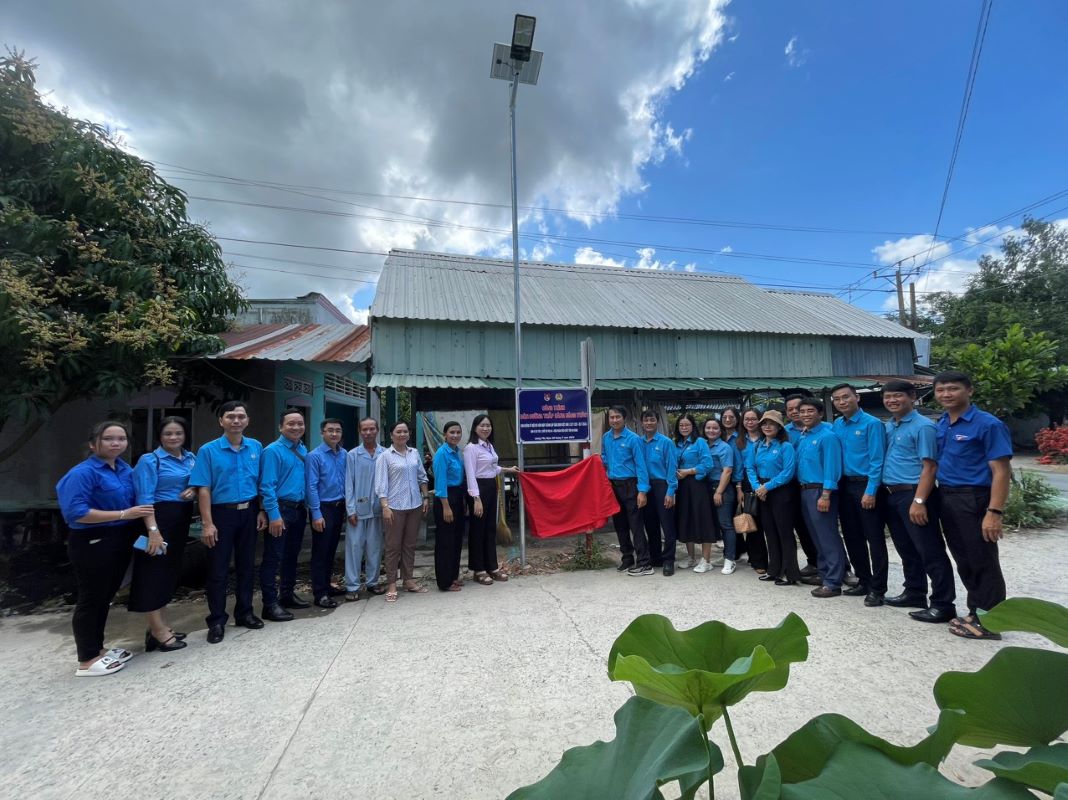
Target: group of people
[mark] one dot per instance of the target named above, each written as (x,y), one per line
(832,488)
(378,494)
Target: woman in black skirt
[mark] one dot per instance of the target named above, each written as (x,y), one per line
(449,510)
(754,545)
(161,479)
(693,510)
(96,499)
(480,472)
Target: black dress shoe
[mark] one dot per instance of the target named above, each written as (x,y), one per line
(767,577)
(216,634)
(873,600)
(784,582)
(179,635)
(325,602)
(252,622)
(669,570)
(294,601)
(276,613)
(812,580)
(809,570)
(173,643)
(336,591)
(625,564)
(855,591)
(932,615)
(906,600)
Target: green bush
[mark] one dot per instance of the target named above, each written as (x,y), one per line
(1033,502)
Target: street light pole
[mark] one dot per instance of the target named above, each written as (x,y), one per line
(519,63)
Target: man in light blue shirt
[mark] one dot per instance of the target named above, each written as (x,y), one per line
(819,468)
(363,535)
(661,460)
(863,446)
(282,488)
(621,452)
(324,472)
(910,506)
(793,430)
(227,473)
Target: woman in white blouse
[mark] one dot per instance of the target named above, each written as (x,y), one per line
(481,470)
(400,485)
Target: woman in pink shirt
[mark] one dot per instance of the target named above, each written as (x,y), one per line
(481,470)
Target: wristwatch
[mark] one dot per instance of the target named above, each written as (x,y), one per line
(918,501)
(997,511)
(153,528)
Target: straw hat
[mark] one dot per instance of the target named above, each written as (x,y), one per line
(774,416)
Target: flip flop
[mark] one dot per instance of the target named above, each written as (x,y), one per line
(391,597)
(121,655)
(105,665)
(416,590)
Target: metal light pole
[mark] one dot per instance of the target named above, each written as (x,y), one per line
(518,63)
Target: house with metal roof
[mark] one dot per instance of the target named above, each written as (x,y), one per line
(442,323)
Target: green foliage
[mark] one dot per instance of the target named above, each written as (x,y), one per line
(855,771)
(1016,699)
(707,668)
(588,554)
(102,276)
(654,745)
(1030,615)
(1033,502)
(1010,371)
(1041,768)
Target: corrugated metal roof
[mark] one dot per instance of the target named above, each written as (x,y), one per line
(325,343)
(393,381)
(848,319)
(435,286)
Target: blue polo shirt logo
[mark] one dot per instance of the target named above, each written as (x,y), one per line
(858,433)
(962,437)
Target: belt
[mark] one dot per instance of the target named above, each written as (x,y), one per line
(621,480)
(900,487)
(963,489)
(291,504)
(332,503)
(237,506)
(811,485)
(854,479)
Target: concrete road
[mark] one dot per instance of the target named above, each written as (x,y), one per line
(463,695)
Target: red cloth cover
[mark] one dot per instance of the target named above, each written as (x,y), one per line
(574,500)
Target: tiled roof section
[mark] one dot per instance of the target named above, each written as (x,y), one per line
(324,343)
(435,286)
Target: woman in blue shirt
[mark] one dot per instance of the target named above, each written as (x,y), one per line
(720,487)
(729,423)
(771,470)
(449,521)
(161,479)
(96,499)
(752,545)
(693,510)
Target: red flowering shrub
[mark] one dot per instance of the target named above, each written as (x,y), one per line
(1053,445)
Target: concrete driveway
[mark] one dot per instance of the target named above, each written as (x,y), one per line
(465,695)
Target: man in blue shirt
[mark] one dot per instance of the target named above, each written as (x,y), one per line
(363,536)
(863,441)
(621,452)
(909,505)
(793,429)
(819,469)
(324,472)
(282,488)
(227,472)
(974,449)
(661,460)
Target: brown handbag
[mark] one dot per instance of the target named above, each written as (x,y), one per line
(744,523)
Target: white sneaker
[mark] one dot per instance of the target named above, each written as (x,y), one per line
(728,566)
(702,566)
(689,564)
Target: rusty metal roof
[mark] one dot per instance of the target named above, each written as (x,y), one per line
(324,343)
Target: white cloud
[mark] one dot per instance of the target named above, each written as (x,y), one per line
(796,55)
(271,93)
(591,257)
(690,267)
(726,249)
(345,304)
(911,250)
(729,77)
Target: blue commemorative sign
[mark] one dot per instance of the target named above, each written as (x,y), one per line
(553,415)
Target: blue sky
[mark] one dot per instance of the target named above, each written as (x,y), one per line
(377,126)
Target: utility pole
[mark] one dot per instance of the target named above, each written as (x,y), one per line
(900,299)
(912,306)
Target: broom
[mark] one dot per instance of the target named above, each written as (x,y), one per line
(504,533)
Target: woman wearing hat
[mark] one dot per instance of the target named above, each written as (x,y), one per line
(771,469)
